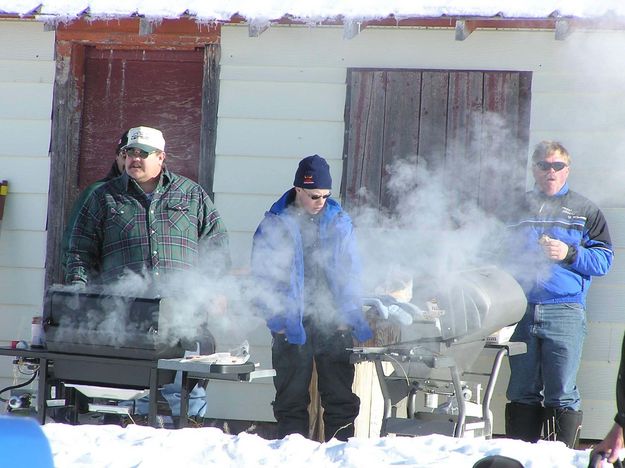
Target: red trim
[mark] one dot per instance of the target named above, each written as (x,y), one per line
(177,33)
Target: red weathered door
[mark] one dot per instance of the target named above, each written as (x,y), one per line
(128,88)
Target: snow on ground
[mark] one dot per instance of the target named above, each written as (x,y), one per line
(142,447)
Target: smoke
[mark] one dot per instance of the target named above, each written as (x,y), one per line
(176,310)
(443,213)
(432,228)
(430,233)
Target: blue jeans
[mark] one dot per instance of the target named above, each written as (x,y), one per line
(546,374)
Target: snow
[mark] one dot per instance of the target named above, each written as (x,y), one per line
(141,446)
(313,10)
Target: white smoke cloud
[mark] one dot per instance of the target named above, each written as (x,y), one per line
(430,231)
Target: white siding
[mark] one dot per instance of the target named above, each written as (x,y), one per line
(282,98)
(277,138)
(26,83)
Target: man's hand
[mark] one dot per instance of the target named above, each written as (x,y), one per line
(612,444)
(554,249)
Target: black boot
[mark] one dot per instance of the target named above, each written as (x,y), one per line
(524,422)
(342,433)
(563,424)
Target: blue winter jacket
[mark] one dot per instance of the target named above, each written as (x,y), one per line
(278,269)
(576,221)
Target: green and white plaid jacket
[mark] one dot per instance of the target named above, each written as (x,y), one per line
(120,229)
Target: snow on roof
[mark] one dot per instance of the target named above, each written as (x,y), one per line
(312,10)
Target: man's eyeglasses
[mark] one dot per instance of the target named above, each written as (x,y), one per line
(314,196)
(134,152)
(545,166)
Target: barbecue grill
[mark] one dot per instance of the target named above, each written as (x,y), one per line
(438,344)
(98,340)
(95,322)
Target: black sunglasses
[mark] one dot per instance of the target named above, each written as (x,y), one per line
(545,166)
(317,197)
(134,152)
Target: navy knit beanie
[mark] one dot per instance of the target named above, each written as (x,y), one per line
(313,172)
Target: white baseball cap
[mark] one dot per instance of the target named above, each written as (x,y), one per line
(146,138)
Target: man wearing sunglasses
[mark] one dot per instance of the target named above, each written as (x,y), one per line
(559,242)
(148,220)
(152,222)
(305,264)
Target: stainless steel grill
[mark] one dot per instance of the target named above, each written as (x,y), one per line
(437,349)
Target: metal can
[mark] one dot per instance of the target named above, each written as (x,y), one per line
(36,339)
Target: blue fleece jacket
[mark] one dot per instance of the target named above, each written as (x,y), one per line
(278,269)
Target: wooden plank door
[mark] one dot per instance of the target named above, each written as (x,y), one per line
(470,126)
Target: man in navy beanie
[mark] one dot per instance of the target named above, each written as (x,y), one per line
(305,262)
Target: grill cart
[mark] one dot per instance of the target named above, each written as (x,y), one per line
(437,347)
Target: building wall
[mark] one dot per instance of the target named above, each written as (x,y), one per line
(26,81)
(282,97)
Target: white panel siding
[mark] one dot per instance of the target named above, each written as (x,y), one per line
(375,47)
(599,379)
(267,100)
(249,210)
(597,384)
(603,342)
(282,74)
(26,40)
(16,321)
(616,275)
(26,83)
(606,302)
(25,137)
(23,100)
(23,213)
(20,71)
(240,248)
(598,418)
(21,286)
(616,222)
(577,95)
(584,112)
(278,138)
(263,176)
(611,190)
(22,249)
(13,169)
(581,82)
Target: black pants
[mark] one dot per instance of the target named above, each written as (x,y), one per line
(294,365)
